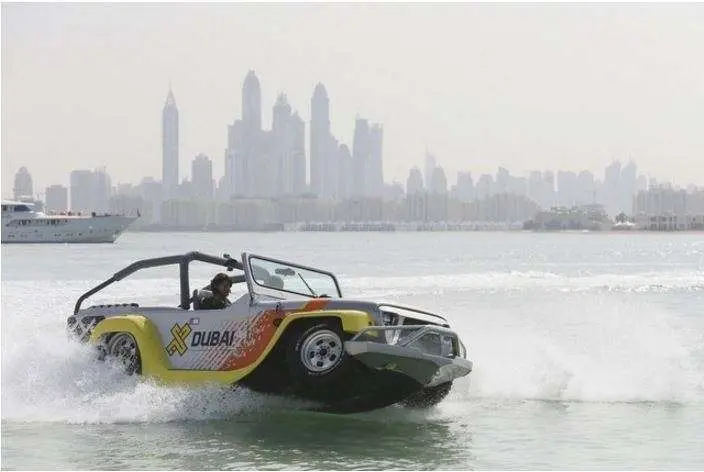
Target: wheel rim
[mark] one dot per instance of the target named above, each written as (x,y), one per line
(321,351)
(123,348)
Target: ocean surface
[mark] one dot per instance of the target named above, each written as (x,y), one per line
(588,352)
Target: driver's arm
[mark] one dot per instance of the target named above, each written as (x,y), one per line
(209,303)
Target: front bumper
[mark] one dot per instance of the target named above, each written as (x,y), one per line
(429,354)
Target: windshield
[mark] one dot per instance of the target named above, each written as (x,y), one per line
(287,277)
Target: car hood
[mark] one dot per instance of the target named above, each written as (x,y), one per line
(369,306)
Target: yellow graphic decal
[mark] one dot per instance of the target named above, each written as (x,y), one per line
(178,343)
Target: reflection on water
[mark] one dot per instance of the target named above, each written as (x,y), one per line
(393,438)
(305,440)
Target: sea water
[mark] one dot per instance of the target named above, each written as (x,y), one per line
(588,352)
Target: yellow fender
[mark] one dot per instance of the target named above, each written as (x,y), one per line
(156,364)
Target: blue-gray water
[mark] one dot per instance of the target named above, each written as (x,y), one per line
(588,351)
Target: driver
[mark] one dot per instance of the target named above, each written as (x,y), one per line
(220,288)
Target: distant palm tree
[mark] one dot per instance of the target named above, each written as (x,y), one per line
(621,218)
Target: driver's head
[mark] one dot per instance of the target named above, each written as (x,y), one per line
(221,284)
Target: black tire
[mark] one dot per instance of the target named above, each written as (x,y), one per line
(124,349)
(316,354)
(428,397)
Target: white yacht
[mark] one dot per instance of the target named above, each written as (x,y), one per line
(21,223)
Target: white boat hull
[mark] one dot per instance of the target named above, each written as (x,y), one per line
(21,224)
(101,229)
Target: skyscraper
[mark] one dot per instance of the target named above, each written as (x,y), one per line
(535,187)
(465,186)
(344,180)
(610,192)
(503,177)
(549,189)
(252,102)
(587,188)
(83,187)
(484,187)
(102,190)
(234,160)
(429,168)
(567,188)
(320,139)
(331,178)
(361,150)
(627,187)
(298,158)
(23,184)
(414,183)
(202,177)
(438,182)
(90,190)
(169,122)
(282,127)
(375,169)
(288,130)
(251,167)
(56,198)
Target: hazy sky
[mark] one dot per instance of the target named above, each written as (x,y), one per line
(522,86)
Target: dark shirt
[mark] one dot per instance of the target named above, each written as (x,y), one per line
(213,302)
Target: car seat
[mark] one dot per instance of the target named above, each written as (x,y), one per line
(198,296)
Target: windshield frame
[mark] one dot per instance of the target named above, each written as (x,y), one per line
(256,288)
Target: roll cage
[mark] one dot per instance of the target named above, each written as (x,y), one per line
(182,260)
(251,274)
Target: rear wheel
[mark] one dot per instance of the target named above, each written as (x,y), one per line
(428,397)
(123,348)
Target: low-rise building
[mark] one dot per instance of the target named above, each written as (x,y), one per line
(585,217)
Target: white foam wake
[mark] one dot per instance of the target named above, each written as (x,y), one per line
(72,386)
(584,346)
(46,377)
(599,350)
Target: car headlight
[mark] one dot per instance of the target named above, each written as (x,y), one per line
(446,348)
(462,349)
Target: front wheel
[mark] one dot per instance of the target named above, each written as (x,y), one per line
(316,353)
(123,348)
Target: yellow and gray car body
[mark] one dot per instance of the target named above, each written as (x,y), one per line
(291,333)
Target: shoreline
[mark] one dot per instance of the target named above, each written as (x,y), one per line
(403,230)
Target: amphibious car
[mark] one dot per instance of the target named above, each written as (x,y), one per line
(291,333)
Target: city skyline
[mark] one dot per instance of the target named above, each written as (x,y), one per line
(173,180)
(99,109)
(563,188)
(543,201)
(271,163)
